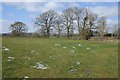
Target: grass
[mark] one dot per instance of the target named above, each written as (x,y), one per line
(100,61)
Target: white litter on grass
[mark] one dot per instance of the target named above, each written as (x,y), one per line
(72,70)
(78,63)
(64,47)
(11,57)
(9,60)
(72,51)
(74,47)
(88,48)
(6,49)
(40,66)
(26,77)
(57,44)
(79,45)
(25,57)
(32,51)
(28,58)
(73,67)
(52,57)
(59,55)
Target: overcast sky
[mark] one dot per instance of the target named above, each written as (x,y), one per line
(27,11)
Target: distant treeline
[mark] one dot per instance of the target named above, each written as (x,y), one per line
(76,36)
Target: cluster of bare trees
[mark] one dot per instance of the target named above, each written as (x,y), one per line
(85,20)
(74,19)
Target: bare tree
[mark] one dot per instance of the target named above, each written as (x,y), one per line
(59,24)
(18,28)
(68,15)
(77,12)
(84,22)
(101,26)
(46,20)
(92,18)
(40,32)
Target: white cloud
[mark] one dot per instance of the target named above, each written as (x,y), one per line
(106,11)
(29,6)
(5,26)
(37,7)
(44,6)
(73,4)
(52,5)
(31,16)
(112,22)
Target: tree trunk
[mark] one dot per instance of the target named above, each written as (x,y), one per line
(68,32)
(48,32)
(58,30)
(83,31)
(78,22)
(67,28)
(72,29)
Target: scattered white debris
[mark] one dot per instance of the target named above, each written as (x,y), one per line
(73,67)
(64,47)
(11,57)
(79,45)
(9,60)
(88,48)
(72,70)
(32,51)
(78,63)
(28,58)
(6,49)
(26,77)
(57,44)
(51,57)
(25,57)
(72,51)
(40,66)
(74,47)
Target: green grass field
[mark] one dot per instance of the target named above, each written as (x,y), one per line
(64,58)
